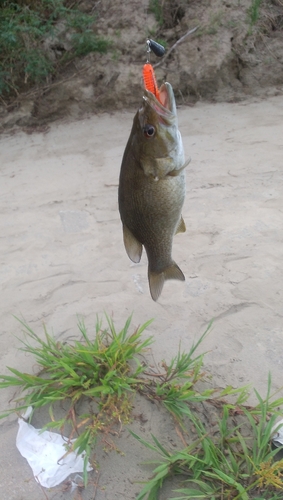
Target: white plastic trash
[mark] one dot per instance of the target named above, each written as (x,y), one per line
(44,452)
(277,434)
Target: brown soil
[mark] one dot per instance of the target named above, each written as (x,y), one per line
(228,58)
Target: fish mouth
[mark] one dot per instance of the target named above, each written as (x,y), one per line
(165,106)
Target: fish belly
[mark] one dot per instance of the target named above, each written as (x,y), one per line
(151,209)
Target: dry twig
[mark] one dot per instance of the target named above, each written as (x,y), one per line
(190,32)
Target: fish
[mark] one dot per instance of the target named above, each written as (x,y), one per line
(152,187)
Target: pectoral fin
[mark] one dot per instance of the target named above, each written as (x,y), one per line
(181,228)
(176,172)
(132,245)
(156,280)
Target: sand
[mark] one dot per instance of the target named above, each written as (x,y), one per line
(62,255)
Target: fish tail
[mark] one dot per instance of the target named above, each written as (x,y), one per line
(156,280)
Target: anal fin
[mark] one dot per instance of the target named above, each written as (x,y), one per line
(156,280)
(132,245)
(181,228)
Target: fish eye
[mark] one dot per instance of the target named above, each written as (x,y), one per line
(149,131)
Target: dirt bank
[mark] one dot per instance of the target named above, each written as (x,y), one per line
(236,52)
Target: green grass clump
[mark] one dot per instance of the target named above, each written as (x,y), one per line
(229,459)
(226,464)
(105,371)
(29,27)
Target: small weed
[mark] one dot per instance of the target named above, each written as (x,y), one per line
(215,22)
(115,55)
(253,12)
(175,387)
(231,23)
(162,41)
(212,26)
(167,13)
(151,33)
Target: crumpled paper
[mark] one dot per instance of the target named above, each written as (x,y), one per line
(44,452)
(277,434)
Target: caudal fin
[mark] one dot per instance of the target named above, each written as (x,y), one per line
(156,280)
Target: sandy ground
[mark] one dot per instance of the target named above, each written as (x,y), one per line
(62,255)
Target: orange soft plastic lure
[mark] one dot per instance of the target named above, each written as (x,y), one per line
(149,80)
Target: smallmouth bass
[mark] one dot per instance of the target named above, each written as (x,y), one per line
(152,187)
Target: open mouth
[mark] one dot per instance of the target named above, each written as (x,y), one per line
(164,97)
(165,106)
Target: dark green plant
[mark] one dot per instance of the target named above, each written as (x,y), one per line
(155,6)
(25,28)
(86,42)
